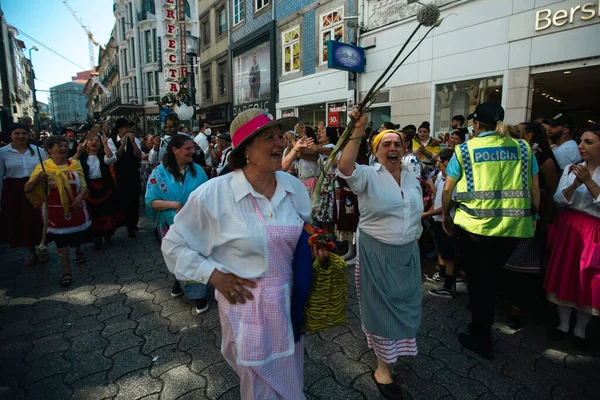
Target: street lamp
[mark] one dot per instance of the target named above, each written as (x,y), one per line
(191,49)
(36,114)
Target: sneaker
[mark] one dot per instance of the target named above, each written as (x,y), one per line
(437,278)
(441,292)
(460,278)
(201,306)
(461,287)
(177,290)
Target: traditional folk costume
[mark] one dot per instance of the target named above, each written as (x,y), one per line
(21,222)
(66,223)
(573,276)
(324,213)
(388,270)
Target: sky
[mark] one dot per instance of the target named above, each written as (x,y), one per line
(51,23)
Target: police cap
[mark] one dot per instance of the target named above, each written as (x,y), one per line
(488,113)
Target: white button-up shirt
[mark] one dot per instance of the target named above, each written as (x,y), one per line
(388,212)
(94,163)
(113,146)
(582,199)
(567,153)
(218,228)
(13,164)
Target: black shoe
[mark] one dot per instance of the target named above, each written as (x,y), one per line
(557,334)
(514,322)
(580,344)
(436,278)
(177,290)
(477,345)
(201,306)
(388,391)
(441,292)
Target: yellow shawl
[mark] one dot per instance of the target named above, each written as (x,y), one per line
(58,179)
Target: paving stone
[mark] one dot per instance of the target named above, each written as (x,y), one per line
(502,386)
(131,282)
(458,386)
(157,338)
(364,383)
(53,385)
(332,333)
(143,307)
(582,363)
(211,318)
(199,394)
(136,385)
(318,349)
(352,347)
(448,339)
(121,341)
(49,327)
(136,295)
(162,295)
(219,378)
(525,357)
(47,345)
(117,324)
(570,378)
(94,387)
(87,342)
(46,366)
(16,328)
(82,298)
(105,287)
(113,296)
(328,388)
(194,336)
(172,306)
(112,309)
(203,356)
(179,381)
(425,344)
(83,325)
(313,372)
(168,358)
(89,363)
(51,311)
(149,322)
(77,312)
(526,394)
(127,361)
(539,384)
(562,392)
(183,320)
(461,364)
(424,366)
(157,283)
(344,369)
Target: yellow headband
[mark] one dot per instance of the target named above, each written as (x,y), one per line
(380,136)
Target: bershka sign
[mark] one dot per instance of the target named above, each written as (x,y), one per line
(547,18)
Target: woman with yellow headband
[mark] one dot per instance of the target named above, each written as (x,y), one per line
(68,216)
(388,268)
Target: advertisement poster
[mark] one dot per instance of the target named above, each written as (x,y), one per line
(252,75)
(336,115)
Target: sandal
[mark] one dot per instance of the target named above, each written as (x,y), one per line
(31,261)
(79,258)
(66,280)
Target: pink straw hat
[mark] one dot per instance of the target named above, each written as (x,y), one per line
(253,121)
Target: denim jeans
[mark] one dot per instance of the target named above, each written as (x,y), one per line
(193,291)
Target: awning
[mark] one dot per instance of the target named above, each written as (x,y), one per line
(125,110)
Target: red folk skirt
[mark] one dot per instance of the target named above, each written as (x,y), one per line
(573,276)
(20,223)
(102,203)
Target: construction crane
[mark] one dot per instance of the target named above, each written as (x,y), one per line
(91,41)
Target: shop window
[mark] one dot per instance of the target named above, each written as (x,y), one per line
(260,4)
(331,27)
(238,11)
(290,51)
(461,98)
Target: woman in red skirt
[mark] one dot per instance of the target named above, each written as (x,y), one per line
(21,223)
(68,216)
(573,276)
(96,157)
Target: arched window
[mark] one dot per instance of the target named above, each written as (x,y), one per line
(149,6)
(187,9)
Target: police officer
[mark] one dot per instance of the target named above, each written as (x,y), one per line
(497,192)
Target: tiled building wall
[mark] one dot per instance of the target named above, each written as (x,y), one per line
(251,24)
(309,60)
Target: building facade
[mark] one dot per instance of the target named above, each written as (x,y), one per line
(152,60)
(214,92)
(103,87)
(68,103)
(537,58)
(308,89)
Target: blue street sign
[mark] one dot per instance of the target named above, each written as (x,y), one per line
(345,56)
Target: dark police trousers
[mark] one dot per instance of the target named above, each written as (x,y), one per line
(483,259)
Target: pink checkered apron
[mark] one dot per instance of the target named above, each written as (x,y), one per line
(257,337)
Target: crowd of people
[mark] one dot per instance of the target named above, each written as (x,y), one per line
(505,210)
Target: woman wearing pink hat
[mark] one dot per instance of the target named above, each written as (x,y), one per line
(239,232)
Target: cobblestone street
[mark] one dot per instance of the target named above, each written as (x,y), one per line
(117,333)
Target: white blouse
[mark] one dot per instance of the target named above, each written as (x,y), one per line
(582,199)
(323,160)
(94,164)
(13,164)
(388,212)
(218,227)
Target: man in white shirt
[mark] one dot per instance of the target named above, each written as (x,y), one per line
(561,133)
(207,130)
(160,143)
(202,141)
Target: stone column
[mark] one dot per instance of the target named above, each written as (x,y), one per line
(518,95)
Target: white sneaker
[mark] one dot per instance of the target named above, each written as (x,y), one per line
(461,287)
